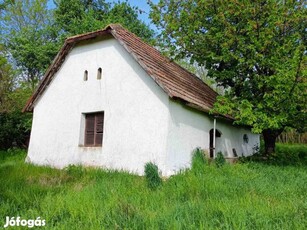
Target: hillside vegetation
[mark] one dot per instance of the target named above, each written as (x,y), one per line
(241,196)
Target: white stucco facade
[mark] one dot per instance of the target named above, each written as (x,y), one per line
(141,123)
(189,129)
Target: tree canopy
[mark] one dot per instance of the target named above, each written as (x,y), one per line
(79,16)
(30,38)
(6,81)
(256,50)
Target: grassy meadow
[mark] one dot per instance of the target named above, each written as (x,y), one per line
(250,195)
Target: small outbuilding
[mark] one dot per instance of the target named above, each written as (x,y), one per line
(111,100)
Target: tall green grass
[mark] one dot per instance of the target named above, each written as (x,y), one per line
(291,153)
(241,196)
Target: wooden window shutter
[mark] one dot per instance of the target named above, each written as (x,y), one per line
(99,128)
(93,129)
(89,129)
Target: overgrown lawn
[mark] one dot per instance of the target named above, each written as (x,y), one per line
(240,196)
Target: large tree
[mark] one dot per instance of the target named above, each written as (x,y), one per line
(81,16)
(14,126)
(28,33)
(255,49)
(6,81)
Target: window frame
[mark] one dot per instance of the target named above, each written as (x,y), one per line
(95,129)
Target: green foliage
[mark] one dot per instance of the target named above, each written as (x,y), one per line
(29,33)
(6,81)
(289,155)
(198,160)
(14,129)
(14,126)
(76,171)
(285,154)
(219,159)
(13,153)
(255,49)
(127,15)
(77,16)
(265,197)
(152,175)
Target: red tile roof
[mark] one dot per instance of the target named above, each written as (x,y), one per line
(176,81)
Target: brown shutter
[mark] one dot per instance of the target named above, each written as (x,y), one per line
(89,129)
(99,129)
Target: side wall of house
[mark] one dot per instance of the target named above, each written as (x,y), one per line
(232,140)
(135,112)
(189,129)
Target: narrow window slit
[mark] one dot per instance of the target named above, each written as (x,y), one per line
(99,73)
(85,76)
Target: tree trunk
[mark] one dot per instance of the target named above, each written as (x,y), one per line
(269,137)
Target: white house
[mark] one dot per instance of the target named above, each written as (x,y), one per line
(111,100)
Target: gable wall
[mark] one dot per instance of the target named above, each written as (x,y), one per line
(136,111)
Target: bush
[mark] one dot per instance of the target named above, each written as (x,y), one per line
(152,175)
(76,171)
(198,159)
(220,159)
(14,130)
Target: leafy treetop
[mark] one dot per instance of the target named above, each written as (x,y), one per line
(256,50)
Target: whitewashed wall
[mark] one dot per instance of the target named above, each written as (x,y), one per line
(232,138)
(141,123)
(136,112)
(189,129)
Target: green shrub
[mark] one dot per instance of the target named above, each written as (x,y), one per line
(220,159)
(198,159)
(152,175)
(76,171)
(14,129)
